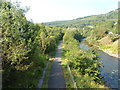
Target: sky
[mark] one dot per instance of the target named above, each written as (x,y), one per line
(52,10)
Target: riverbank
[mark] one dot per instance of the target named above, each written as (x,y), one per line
(109,52)
(109,71)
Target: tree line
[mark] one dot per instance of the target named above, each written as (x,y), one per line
(25,46)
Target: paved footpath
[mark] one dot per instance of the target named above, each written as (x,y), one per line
(56,79)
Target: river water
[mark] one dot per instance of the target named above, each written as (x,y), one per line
(110,66)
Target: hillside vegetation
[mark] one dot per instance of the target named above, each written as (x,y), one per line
(97,29)
(108,20)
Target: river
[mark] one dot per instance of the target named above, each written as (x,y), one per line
(110,66)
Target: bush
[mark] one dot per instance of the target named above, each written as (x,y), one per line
(85,64)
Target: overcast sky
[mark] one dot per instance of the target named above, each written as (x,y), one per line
(52,10)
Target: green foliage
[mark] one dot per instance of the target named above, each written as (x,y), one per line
(105,47)
(86,63)
(25,46)
(85,81)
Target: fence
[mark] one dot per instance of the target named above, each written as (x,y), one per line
(72,77)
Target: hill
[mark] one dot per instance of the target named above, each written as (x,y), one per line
(87,20)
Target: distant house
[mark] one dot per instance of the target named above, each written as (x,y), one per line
(115,23)
(110,33)
(90,26)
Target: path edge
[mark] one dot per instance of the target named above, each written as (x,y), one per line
(43,75)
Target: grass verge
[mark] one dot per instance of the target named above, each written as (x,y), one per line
(47,75)
(68,80)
